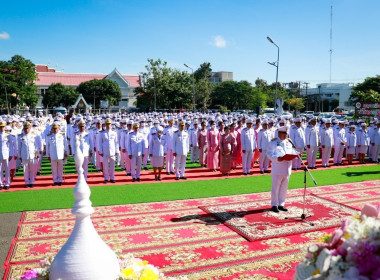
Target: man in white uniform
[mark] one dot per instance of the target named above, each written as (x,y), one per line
(248,145)
(85,145)
(264,137)
(56,151)
(168,133)
(327,142)
(108,150)
(6,154)
(281,169)
(298,138)
(339,143)
(193,133)
(180,150)
(136,151)
(27,152)
(375,142)
(312,142)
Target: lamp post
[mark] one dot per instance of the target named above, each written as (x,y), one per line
(275,64)
(155,93)
(192,73)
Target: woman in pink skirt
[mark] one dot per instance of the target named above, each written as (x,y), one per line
(235,150)
(213,147)
(157,151)
(227,141)
(202,144)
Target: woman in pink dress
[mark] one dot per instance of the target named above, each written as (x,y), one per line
(202,144)
(213,147)
(256,155)
(239,159)
(226,149)
(235,149)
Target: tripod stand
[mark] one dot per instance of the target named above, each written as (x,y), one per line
(304,217)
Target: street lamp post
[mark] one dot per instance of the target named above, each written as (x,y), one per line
(192,73)
(275,64)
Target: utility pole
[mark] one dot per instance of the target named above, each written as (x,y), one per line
(307,98)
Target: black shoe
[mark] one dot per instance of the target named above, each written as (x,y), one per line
(145,168)
(156,179)
(167,173)
(112,181)
(6,187)
(138,180)
(249,173)
(177,178)
(59,184)
(128,174)
(266,171)
(105,181)
(55,184)
(244,173)
(133,179)
(31,186)
(159,178)
(26,186)
(275,209)
(172,173)
(38,173)
(1,187)
(282,208)
(262,172)
(183,178)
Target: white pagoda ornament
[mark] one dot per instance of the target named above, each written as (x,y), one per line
(84,256)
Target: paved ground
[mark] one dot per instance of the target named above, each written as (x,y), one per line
(9,222)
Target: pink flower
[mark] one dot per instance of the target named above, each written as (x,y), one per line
(30,274)
(336,238)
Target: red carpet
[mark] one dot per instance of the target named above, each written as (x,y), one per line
(254,220)
(96,179)
(180,238)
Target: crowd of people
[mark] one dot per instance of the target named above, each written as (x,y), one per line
(216,141)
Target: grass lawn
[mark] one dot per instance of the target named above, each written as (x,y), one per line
(139,193)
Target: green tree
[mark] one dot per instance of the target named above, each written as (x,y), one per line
(367,91)
(100,90)
(18,75)
(232,94)
(296,103)
(203,86)
(171,87)
(59,95)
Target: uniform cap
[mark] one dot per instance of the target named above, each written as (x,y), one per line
(8,128)
(363,124)
(352,126)
(160,129)
(282,121)
(297,120)
(55,125)
(264,122)
(3,123)
(249,121)
(130,122)
(328,121)
(182,123)
(82,123)
(136,125)
(108,120)
(27,124)
(283,129)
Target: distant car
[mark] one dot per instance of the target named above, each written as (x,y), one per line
(287,114)
(308,112)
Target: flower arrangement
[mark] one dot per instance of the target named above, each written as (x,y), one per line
(131,268)
(351,252)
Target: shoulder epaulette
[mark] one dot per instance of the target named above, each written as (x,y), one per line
(49,134)
(274,139)
(153,133)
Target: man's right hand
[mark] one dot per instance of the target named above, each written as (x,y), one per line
(280,158)
(308,146)
(243,151)
(323,146)
(130,157)
(260,150)
(175,154)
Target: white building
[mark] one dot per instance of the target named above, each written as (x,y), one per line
(127,83)
(331,91)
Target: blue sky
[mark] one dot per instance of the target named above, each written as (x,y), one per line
(97,36)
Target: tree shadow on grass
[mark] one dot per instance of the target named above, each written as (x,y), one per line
(356,174)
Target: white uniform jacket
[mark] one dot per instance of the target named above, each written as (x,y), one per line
(181,142)
(108,144)
(56,146)
(248,142)
(157,145)
(278,148)
(136,146)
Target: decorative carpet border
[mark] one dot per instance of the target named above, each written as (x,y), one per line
(243,228)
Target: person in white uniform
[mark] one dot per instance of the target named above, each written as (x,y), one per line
(180,150)
(27,152)
(339,143)
(375,142)
(56,152)
(124,146)
(6,154)
(136,151)
(327,142)
(298,138)
(351,144)
(108,150)
(145,131)
(169,132)
(312,142)
(193,133)
(248,145)
(264,137)
(281,169)
(13,143)
(85,145)
(157,152)
(363,141)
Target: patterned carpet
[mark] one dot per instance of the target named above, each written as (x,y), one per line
(182,239)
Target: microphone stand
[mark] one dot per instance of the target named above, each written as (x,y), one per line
(304,217)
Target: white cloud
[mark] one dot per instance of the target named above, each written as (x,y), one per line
(219,41)
(4,36)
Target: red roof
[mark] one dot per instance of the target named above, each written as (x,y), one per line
(46,79)
(44,68)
